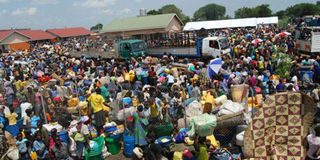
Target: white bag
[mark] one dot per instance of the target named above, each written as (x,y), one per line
(194,109)
(229,107)
(13,154)
(138,152)
(128,113)
(73,147)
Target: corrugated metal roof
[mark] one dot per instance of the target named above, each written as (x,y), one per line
(37,35)
(6,33)
(70,32)
(140,23)
(230,23)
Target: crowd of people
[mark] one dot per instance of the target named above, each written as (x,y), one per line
(40,88)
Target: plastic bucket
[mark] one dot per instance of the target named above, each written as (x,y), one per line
(164,144)
(113,145)
(110,129)
(128,142)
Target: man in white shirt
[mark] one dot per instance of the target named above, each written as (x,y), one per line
(24,106)
(170,79)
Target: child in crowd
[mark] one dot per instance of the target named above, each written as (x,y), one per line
(39,147)
(314,144)
(22,146)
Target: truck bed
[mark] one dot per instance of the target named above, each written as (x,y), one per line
(181,52)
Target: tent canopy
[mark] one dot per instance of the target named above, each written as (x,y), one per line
(230,23)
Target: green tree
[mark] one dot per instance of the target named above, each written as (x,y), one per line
(262,11)
(171,8)
(185,19)
(153,12)
(99,26)
(210,12)
(302,9)
(227,17)
(258,11)
(244,12)
(281,14)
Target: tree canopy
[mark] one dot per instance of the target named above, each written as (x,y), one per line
(99,26)
(210,12)
(153,12)
(171,8)
(302,9)
(259,11)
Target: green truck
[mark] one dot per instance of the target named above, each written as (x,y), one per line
(131,47)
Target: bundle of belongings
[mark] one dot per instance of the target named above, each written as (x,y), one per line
(278,128)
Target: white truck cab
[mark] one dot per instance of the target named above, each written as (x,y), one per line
(215,46)
(308,39)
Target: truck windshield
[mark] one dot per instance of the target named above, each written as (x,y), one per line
(139,46)
(223,43)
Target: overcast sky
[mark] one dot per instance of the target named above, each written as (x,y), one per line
(44,14)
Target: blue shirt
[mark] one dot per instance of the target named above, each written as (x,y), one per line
(22,145)
(37,146)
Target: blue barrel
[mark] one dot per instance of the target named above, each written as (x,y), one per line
(128,143)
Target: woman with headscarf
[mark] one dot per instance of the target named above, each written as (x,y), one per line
(140,126)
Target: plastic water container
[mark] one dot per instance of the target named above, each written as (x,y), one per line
(113,145)
(128,142)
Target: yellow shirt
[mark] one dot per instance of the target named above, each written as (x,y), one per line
(261,64)
(96,102)
(12,118)
(18,84)
(154,111)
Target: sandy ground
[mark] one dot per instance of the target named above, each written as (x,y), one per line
(119,156)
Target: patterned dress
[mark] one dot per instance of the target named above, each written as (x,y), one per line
(140,130)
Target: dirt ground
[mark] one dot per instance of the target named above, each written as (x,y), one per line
(119,156)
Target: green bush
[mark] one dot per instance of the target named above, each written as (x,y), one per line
(283,65)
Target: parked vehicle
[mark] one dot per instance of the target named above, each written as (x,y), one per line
(206,47)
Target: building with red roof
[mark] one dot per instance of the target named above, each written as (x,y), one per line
(20,39)
(37,35)
(13,39)
(70,32)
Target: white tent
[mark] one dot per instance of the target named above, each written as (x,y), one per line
(230,23)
